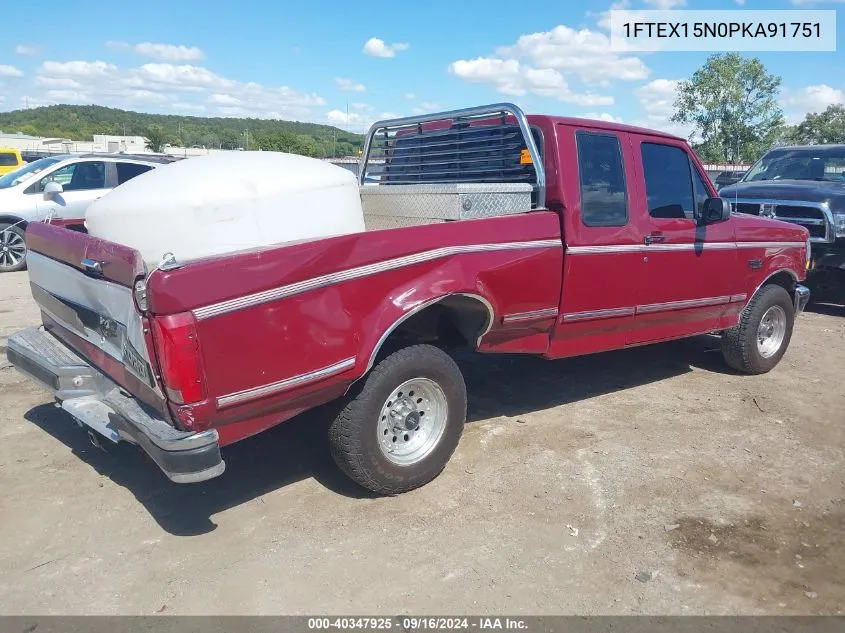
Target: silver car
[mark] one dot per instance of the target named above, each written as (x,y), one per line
(58,189)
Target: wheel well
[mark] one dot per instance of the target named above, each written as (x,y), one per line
(783,279)
(10,219)
(453,321)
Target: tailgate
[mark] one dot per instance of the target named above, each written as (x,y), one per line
(83,286)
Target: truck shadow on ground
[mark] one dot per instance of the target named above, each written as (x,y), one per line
(296,450)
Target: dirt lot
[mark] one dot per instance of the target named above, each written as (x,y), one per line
(645,481)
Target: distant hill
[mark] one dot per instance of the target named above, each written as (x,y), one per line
(80,123)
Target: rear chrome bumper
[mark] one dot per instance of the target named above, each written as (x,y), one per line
(802,297)
(96,402)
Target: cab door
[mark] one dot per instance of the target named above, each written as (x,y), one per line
(602,258)
(688,281)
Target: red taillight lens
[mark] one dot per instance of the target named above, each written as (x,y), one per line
(179,357)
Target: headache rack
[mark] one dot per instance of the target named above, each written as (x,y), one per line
(456,165)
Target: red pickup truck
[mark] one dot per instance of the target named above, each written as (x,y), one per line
(486,228)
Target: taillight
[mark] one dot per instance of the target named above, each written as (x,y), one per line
(179,357)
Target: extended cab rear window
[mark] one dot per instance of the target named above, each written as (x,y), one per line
(604,198)
(8,159)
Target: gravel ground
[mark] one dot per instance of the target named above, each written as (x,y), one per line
(646,481)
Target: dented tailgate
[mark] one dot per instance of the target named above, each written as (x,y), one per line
(83,286)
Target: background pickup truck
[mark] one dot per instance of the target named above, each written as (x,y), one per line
(488,229)
(804,185)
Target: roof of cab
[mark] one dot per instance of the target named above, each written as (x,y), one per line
(603,125)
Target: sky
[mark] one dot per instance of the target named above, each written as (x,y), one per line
(350,63)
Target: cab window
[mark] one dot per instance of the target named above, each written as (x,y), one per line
(604,199)
(127,171)
(8,159)
(78,177)
(668,181)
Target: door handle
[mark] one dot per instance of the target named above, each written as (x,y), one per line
(654,237)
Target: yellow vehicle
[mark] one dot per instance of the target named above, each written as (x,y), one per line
(10,160)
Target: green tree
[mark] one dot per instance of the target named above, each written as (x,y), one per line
(819,128)
(156,139)
(731,103)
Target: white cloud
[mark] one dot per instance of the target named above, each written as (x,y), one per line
(189,107)
(339,117)
(511,78)
(163,83)
(117,45)
(584,52)
(666,4)
(73,96)
(428,105)
(348,85)
(77,69)
(601,116)
(9,71)
(657,99)
(169,52)
(814,98)
(376,47)
(410,95)
(57,82)
(361,107)
(24,49)
(223,99)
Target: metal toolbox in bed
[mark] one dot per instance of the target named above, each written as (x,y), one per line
(393,206)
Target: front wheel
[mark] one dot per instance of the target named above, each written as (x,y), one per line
(400,430)
(12,248)
(760,340)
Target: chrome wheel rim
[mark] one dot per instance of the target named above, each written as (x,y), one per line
(771,331)
(412,421)
(12,249)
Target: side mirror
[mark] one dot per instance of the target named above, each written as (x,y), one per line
(51,189)
(716,210)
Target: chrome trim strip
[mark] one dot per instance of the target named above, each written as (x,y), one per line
(597,314)
(692,246)
(530,316)
(239,303)
(771,244)
(653,307)
(284,385)
(681,305)
(609,248)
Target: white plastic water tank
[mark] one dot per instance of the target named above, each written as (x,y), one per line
(225,202)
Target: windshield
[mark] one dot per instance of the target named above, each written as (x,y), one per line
(26,172)
(803,163)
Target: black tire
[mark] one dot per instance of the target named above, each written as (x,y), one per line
(12,259)
(739,344)
(353,436)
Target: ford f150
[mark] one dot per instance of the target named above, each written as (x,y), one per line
(487,228)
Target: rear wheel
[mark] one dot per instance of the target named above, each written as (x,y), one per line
(760,340)
(400,430)
(12,248)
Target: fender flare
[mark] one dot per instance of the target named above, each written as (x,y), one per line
(491,316)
